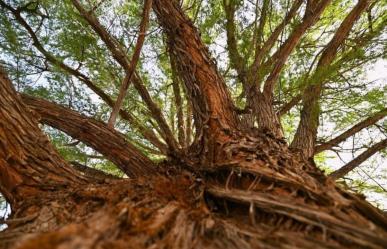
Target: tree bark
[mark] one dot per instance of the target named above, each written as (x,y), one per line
(207,91)
(29,165)
(95,134)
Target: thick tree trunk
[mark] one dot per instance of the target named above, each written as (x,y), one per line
(29,165)
(210,98)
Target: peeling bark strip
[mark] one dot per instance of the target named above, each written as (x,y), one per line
(95,134)
(358,160)
(210,98)
(29,165)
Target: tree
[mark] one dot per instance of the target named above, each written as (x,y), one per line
(233,180)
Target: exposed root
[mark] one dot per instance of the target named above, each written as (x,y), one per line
(267,197)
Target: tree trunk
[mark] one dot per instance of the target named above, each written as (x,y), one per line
(29,165)
(238,190)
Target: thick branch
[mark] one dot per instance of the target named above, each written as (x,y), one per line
(358,160)
(133,63)
(95,134)
(206,89)
(350,132)
(29,164)
(310,18)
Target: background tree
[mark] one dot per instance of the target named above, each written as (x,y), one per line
(216,111)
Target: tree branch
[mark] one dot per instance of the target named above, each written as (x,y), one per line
(310,18)
(91,172)
(207,91)
(120,56)
(358,160)
(133,63)
(306,134)
(265,48)
(237,61)
(95,134)
(352,131)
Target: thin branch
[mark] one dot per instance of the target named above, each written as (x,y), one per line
(350,132)
(237,61)
(121,57)
(358,160)
(133,63)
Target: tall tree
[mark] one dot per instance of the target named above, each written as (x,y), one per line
(234,180)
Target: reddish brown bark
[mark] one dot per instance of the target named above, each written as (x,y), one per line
(255,193)
(95,134)
(207,91)
(29,165)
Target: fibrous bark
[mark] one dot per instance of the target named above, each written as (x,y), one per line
(29,164)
